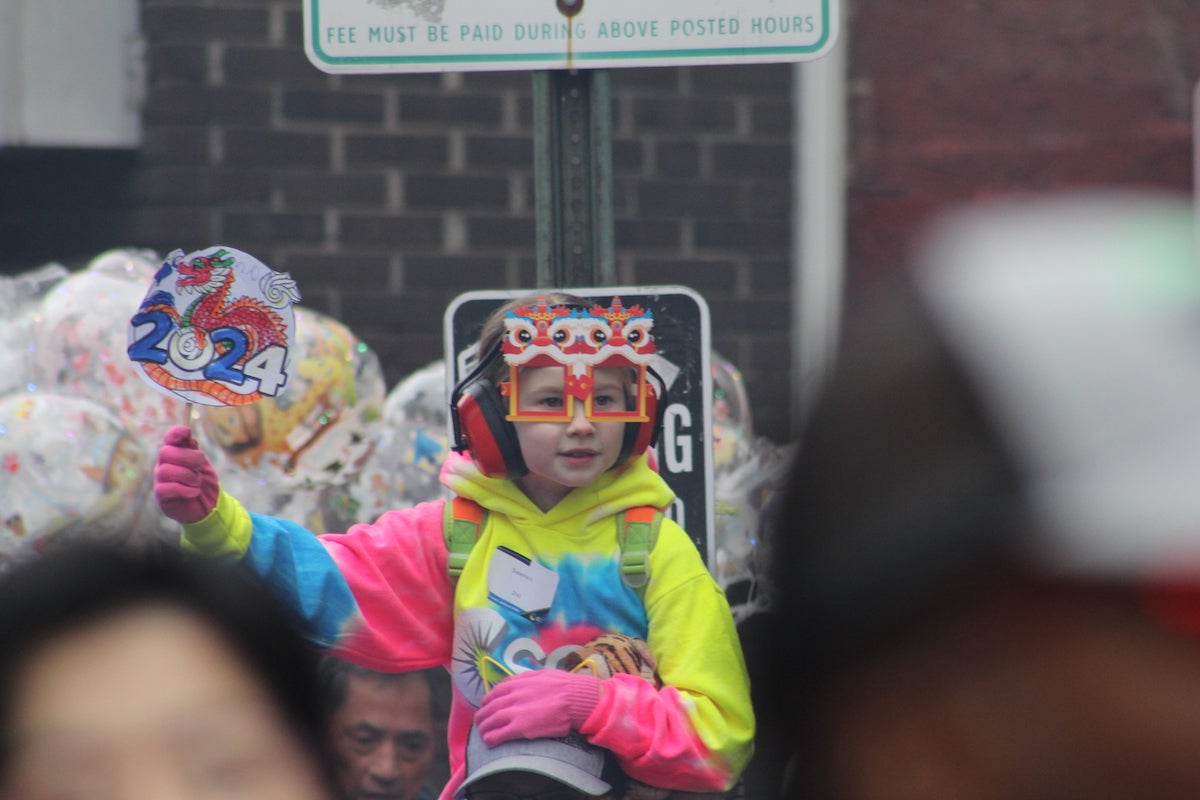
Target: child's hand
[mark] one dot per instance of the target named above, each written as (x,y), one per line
(537,704)
(185,483)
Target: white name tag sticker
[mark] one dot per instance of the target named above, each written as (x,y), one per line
(517,583)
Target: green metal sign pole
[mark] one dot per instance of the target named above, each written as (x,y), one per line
(573,178)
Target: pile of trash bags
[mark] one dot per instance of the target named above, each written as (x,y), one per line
(80,428)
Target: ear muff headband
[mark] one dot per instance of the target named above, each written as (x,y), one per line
(477,414)
(640,436)
(460,442)
(490,438)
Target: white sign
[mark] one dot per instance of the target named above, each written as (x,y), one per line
(377,36)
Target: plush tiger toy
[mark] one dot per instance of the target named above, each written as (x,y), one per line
(611,653)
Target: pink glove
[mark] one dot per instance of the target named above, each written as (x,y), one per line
(537,704)
(185,483)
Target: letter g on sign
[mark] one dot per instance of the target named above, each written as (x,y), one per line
(677,443)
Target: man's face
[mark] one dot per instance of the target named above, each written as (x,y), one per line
(383,737)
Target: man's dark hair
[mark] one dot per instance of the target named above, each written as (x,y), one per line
(335,672)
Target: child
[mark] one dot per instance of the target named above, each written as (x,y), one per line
(556,418)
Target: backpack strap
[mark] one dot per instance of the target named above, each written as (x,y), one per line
(462,523)
(637,531)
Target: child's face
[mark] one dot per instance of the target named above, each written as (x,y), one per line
(563,455)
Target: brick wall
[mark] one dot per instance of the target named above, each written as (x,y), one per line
(953,100)
(385,196)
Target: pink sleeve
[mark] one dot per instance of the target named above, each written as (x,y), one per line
(652,736)
(396,570)
(696,733)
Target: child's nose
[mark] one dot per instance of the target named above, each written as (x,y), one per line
(579,422)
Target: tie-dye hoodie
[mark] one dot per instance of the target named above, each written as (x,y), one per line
(380,595)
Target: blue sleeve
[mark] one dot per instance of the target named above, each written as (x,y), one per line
(297,568)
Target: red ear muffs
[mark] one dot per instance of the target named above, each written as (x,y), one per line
(640,435)
(486,434)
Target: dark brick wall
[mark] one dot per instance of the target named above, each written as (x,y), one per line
(957,99)
(385,196)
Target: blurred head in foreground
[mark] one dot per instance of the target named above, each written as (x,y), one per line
(146,673)
(988,570)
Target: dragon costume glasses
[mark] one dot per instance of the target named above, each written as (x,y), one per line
(603,353)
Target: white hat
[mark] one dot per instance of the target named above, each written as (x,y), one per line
(1077,318)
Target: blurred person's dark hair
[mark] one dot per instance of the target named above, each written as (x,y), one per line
(79,583)
(1024,406)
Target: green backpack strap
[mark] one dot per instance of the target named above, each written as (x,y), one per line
(637,531)
(462,522)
